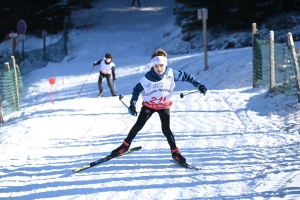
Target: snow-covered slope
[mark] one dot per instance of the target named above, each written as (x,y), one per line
(246,140)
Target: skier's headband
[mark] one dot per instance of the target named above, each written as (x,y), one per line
(159,60)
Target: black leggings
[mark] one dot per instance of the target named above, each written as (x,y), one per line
(109,83)
(143,117)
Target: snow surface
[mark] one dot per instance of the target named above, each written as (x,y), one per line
(246,140)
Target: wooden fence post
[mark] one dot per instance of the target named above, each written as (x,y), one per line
(254,81)
(16,81)
(295,61)
(1,112)
(204,18)
(202,14)
(272,62)
(6,66)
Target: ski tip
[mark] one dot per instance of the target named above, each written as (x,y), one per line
(137,148)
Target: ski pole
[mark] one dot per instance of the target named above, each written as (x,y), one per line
(85,82)
(120,98)
(182,95)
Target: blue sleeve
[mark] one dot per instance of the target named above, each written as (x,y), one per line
(185,77)
(98,62)
(135,93)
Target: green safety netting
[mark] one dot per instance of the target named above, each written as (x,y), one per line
(285,73)
(10,89)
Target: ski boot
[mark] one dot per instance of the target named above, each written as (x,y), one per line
(176,155)
(121,149)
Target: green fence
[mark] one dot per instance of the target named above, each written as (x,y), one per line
(274,65)
(10,88)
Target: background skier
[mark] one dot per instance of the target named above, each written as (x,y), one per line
(107,69)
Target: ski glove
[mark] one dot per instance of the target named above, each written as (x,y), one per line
(95,63)
(202,88)
(132,110)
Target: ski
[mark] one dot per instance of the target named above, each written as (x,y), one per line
(105,159)
(186,165)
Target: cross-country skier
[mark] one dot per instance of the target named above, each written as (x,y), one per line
(157,86)
(107,68)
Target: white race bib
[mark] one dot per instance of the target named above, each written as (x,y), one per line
(106,68)
(158,94)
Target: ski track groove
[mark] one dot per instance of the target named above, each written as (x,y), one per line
(221,162)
